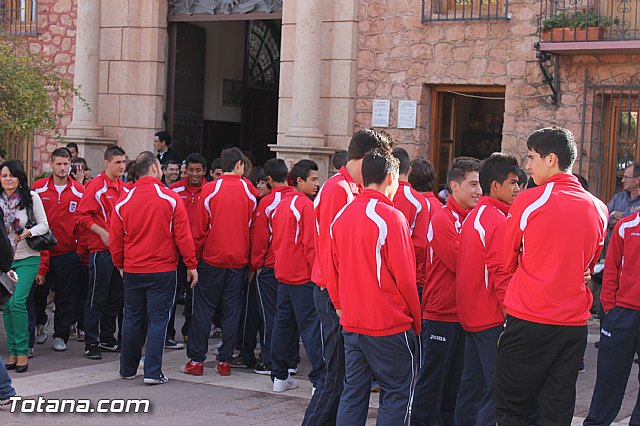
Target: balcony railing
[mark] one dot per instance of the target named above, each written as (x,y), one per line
(589,20)
(464,10)
(19,17)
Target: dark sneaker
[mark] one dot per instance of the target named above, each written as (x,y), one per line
(109,347)
(262,368)
(92,352)
(238,362)
(172,344)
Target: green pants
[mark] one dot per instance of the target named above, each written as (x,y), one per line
(16,319)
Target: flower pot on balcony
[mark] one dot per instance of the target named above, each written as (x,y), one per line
(573,34)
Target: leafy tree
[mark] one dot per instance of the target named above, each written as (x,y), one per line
(29,90)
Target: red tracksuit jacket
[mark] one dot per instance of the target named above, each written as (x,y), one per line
(433,202)
(338,191)
(293,245)
(621,279)
(415,209)
(439,294)
(96,206)
(190,195)
(481,281)
(223,218)
(146,243)
(554,232)
(60,209)
(373,273)
(261,234)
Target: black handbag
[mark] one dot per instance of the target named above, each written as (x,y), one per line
(7,288)
(39,242)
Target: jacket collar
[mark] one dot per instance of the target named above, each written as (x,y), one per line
(148,180)
(355,188)
(455,207)
(489,201)
(372,193)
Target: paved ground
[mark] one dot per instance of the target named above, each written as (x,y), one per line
(243,398)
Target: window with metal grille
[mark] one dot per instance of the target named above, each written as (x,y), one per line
(610,141)
(19,16)
(464,10)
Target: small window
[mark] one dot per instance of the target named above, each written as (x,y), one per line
(464,10)
(18,16)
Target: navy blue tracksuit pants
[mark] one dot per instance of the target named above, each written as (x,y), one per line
(296,306)
(63,279)
(215,286)
(440,373)
(148,300)
(323,407)
(619,341)
(474,406)
(104,300)
(367,356)
(267,289)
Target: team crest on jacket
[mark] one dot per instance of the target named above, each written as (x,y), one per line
(72,206)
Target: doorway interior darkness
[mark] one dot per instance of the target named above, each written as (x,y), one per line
(467,120)
(223,86)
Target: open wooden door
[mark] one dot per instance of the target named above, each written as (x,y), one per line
(260,92)
(185,91)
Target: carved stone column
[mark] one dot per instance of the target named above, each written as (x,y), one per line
(304,128)
(84,122)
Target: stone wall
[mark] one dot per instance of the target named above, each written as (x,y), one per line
(401,58)
(133,71)
(56,41)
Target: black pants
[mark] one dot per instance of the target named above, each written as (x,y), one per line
(250,323)
(440,373)
(148,301)
(537,362)
(105,297)
(323,407)
(63,276)
(82,283)
(182,283)
(40,295)
(619,340)
(215,285)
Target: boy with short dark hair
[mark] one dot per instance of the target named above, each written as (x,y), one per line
(294,252)
(481,283)
(442,335)
(554,233)
(372,286)
(222,219)
(105,295)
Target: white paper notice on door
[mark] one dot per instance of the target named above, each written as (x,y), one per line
(407,111)
(380,113)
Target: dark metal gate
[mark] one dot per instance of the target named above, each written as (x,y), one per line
(609,133)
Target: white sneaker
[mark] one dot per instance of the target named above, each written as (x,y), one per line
(159,381)
(59,345)
(42,334)
(293,371)
(284,385)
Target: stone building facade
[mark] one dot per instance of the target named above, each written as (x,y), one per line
(478,83)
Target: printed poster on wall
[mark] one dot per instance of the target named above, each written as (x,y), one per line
(407,111)
(380,113)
